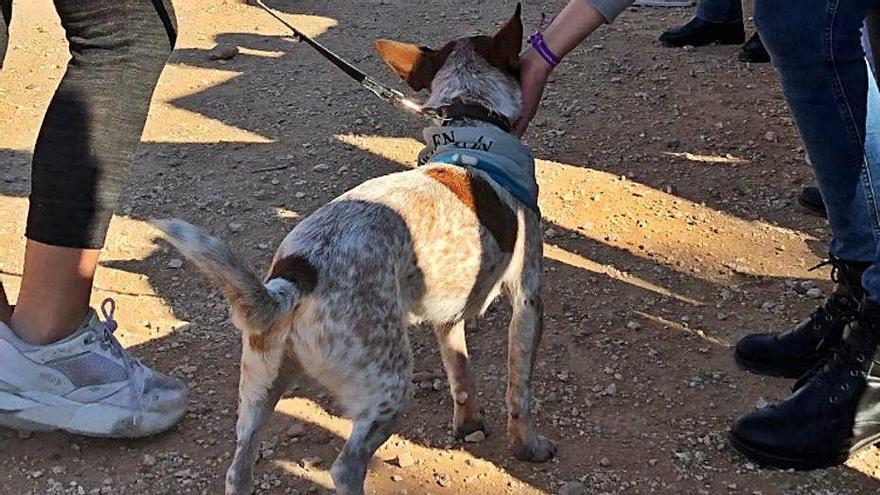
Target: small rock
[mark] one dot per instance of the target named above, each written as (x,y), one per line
(604,462)
(633,325)
(59,470)
(611,390)
(405,460)
(296,430)
(223,52)
(9,179)
(397,477)
(175,263)
(149,460)
(321,167)
(551,233)
(299,195)
(771,136)
(236,227)
(573,488)
(814,293)
(761,403)
(475,437)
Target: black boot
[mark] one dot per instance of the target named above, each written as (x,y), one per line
(834,412)
(811,199)
(698,32)
(794,352)
(753,51)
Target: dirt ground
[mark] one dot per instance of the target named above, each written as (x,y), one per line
(667,178)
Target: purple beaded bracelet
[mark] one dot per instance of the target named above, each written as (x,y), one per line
(537,41)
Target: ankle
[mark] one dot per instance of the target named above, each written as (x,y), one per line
(43,328)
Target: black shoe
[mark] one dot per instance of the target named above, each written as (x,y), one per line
(698,32)
(811,199)
(754,52)
(833,413)
(792,353)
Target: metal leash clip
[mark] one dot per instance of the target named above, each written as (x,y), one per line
(384,92)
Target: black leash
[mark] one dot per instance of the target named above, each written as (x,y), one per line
(385,93)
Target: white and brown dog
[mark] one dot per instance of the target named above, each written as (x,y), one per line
(435,244)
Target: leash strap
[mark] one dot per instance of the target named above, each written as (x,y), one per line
(384,92)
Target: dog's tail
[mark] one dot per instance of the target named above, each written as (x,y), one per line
(256,308)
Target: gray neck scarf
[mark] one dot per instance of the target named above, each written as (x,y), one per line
(500,155)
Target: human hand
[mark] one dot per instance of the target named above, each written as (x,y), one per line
(534,71)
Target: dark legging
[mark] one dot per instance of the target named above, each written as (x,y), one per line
(94,122)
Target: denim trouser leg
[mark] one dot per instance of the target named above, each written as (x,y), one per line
(726,11)
(871,279)
(816,49)
(5,17)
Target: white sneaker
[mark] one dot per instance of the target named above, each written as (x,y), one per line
(86,384)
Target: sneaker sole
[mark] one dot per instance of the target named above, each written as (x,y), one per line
(762,369)
(93,420)
(797,463)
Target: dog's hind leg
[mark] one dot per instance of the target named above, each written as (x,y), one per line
(265,377)
(375,390)
(524,335)
(350,468)
(467,417)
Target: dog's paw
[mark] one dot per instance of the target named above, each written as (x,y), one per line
(468,426)
(541,449)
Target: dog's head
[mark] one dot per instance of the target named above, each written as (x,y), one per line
(477,69)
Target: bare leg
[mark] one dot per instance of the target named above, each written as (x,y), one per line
(55,289)
(467,417)
(264,379)
(5,308)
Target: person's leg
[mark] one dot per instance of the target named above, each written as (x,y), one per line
(5,17)
(716,21)
(82,155)
(720,11)
(61,366)
(815,46)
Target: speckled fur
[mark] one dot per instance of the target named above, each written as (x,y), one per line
(394,251)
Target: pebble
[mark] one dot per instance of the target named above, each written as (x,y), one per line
(321,167)
(573,488)
(175,263)
(236,227)
(551,233)
(761,403)
(633,325)
(475,437)
(604,462)
(771,136)
(149,460)
(223,52)
(405,460)
(814,293)
(611,390)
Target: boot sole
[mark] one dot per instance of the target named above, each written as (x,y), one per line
(812,208)
(92,420)
(762,369)
(797,463)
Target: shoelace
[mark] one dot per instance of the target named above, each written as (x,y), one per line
(108,341)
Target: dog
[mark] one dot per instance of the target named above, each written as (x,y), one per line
(436,244)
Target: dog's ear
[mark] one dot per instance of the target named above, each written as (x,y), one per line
(416,65)
(507,43)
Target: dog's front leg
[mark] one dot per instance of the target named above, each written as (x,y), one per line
(265,377)
(467,417)
(524,335)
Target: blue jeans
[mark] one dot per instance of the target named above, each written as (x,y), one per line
(816,48)
(726,11)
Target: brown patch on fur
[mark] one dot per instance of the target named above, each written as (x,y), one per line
(262,342)
(478,195)
(298,270)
